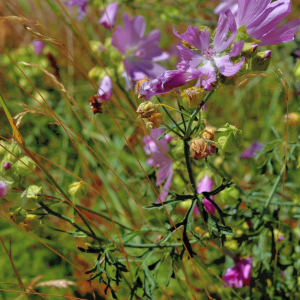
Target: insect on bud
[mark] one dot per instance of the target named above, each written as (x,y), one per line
(138,87)
(199,149)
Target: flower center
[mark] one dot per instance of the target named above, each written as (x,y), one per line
(192,93)
(209,53)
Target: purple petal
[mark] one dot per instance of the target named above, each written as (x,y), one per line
(226,23)
(207,76)
(191,57)
(108,18)
(164,83)
(105,89)
(199,39)
(269,19)
(162,57)
(250,10)
(236,49)
(227,4)
(3,189)
(281,34)
(226,67)
(250,151)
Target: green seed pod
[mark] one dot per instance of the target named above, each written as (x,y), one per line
(229,139)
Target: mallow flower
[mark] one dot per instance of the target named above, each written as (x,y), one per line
(207,59)
(250,152)
(105,89)
(261,18)
(109,16)
(166,82)
(240,274)
(140,53)
(81,7)
(206,185)
(227,4)
(157,149)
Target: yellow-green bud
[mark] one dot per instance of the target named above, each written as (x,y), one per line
(229,139)
(230,195)
(297,68)
(261,61)
(21,166)
(13,154)
(248,50)
(146,109)
(78,189)
(18,214)
(35,192)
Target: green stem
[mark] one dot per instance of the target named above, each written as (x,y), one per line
(170,116)
(52,212)
(156,245)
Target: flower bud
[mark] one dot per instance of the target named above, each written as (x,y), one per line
(292,118)
(193,96)
(3,189)
(6,165)
(13,154)
(138,87)
(229,139)
(199,149)
(32,222)
(249,50)
(35,192)
(209,133)
(230,195)
(146,109)
(18,214)
(24,166)
(154,121)
(261,61)
(78,189)
(3,151)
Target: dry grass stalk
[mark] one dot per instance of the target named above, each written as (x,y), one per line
(60,283)
(42,37)
(20,20)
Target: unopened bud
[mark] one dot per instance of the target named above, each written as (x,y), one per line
(261,61)
(6,165)
(3,189)
(146,109)
(200,149)
(229,139)
(193,96)
(138,87)
(249,50)
(78,189)
(32,222)
(293,119)
(209,133)
(154,121)
(24,166)
(230,195)
(18,214)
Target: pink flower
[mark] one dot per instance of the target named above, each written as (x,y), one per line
(157,149)
(81,7)
(3,189)
(105,89)
(206,185)
(109,16)
(140,53)
(240,274)
(38,47)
